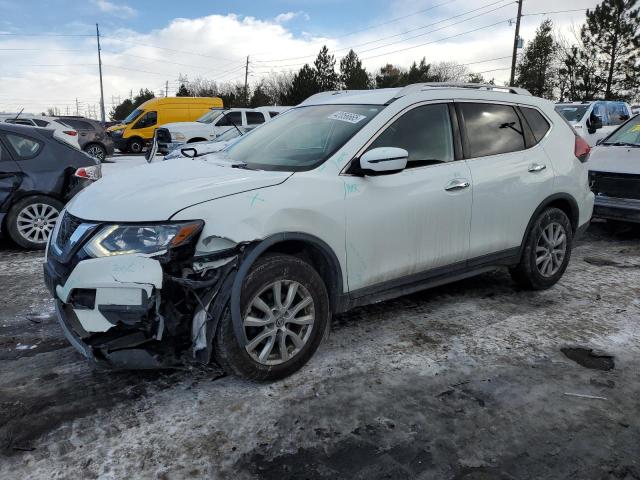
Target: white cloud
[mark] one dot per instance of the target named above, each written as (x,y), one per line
(288,16)
(216,47)
(119,10)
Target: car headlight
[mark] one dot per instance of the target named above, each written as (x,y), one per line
(146,239)
(117,133)
(179,136)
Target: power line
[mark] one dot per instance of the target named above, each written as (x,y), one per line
(556,11)
(408,31)
(6,34)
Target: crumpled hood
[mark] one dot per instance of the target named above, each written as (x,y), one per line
(615,159)
(157,191)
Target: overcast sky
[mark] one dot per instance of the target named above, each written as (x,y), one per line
(48,54)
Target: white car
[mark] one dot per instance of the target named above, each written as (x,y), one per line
(199,149)
(62,131)
(595,120)
(213,124)
(347,199)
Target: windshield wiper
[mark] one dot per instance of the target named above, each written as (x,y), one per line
(622,144)
(244,166)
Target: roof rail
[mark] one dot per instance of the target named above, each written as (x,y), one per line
(420,87)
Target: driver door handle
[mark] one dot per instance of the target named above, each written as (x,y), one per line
(457,184)
(536,167)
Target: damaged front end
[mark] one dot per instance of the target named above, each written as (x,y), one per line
(135,308)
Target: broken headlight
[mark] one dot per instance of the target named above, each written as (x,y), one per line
(146,239)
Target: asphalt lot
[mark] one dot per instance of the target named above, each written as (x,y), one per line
(466,381)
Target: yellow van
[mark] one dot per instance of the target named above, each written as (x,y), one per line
(138,128)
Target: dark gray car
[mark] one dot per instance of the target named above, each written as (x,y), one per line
(92,136)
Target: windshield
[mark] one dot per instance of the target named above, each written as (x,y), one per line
(627,134)
(210,116)
(302,138)
(228,135)
(132,116)
(572,113)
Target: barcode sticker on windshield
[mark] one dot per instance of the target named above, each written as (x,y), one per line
(347,117)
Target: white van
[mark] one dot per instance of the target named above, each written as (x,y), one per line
(213,124)
(595,120)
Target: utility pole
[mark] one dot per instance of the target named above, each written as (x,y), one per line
(100,69)
(515,44)
(166,89)
(77,108)
(246,83)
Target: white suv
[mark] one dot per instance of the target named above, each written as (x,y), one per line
(348,199)
(212,124)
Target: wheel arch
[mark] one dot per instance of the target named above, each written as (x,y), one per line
(312,249)
(562,201)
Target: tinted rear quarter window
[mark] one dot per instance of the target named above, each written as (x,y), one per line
(24,147)
(40,123)
(538,124)
(491,129)
(78,124)
(273,114)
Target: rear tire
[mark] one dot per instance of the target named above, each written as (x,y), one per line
(546,252)
(267,356)
(31,220)
(96,151)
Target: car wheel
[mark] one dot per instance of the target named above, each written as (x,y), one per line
(135,146)
(96,150)
(31,221)
(547,251)
(285,312)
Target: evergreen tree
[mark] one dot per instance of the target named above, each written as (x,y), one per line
(259,98)
(534,70)
(612,30)
(418,73)
(183,91)
(305,83)
(325,70)
(120,112)
(352,75)
(144,95)
(389,76)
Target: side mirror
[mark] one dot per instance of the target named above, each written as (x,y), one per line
(189,152)
(382,160)
(595,123)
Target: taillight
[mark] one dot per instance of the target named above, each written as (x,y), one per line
(581,149)
(73,133)
(90,173)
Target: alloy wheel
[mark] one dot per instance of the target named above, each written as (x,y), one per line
(35,222)
(96,151)
(551,249)
(278,322)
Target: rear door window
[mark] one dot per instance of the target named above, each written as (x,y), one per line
(40,123)
(425,132)
(80,124)
(255,118)
(538,124)
(491,129)
(24,147)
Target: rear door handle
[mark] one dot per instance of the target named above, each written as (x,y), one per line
(457,184)
(536,167)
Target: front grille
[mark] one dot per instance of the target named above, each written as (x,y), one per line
(617,185)
(163,135)
(68,225)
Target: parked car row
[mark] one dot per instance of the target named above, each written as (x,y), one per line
(347,199)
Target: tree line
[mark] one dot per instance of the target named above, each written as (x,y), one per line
(600,61)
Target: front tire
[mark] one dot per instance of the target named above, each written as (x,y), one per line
(285,312)
(135,145)
(547,251)
(31,221)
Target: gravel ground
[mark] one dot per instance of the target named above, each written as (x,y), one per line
(466,381)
